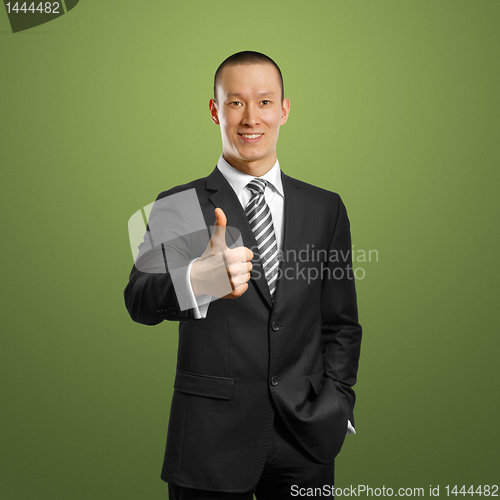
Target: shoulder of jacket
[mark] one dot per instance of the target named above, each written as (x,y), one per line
(196,184)
(312,190)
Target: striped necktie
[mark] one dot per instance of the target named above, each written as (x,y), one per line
(261,223)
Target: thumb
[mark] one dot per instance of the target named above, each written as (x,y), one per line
(218,239)
(221,219)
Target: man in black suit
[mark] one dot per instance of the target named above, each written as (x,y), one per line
(263,393)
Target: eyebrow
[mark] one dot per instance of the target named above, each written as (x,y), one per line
(261,94)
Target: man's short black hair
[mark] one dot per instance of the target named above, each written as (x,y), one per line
(247,57)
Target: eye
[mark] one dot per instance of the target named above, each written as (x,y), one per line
(265,102)
(235,103)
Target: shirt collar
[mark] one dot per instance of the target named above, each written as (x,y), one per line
(238,180)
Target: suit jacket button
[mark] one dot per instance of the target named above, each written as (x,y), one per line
(274,381)
(275,326)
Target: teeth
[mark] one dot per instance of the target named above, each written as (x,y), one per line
(253,136)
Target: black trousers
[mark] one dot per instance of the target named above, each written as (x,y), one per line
(289,471)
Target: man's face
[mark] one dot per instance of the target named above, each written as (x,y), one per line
(249,111)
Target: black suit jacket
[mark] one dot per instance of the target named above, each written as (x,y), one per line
(298,355)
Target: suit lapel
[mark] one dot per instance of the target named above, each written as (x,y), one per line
(293,220)
(224,197)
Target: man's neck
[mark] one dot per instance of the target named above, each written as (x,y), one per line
(255,169)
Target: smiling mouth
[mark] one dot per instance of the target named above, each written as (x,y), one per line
(250,136)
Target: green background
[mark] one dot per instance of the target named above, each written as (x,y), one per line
(394,104)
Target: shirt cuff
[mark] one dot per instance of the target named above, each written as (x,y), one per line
(350,428)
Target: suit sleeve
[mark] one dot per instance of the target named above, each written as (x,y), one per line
(341,332)
(150,298)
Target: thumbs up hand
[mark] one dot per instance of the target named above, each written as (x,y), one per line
(218,240)
(221,271)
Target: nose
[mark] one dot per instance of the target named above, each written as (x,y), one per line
(251,116)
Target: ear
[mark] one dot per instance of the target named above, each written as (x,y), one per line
(213,111)
(285,110)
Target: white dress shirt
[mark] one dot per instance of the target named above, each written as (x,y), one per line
(274,194)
